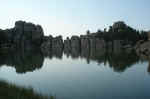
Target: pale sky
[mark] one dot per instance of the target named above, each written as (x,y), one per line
(74,17)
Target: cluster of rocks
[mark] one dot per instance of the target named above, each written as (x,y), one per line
(84,45)
(52,45)
(29,31)
(27,35)
(79,46)
(143,48)
(23,34)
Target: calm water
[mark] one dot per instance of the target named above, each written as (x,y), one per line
(118,75)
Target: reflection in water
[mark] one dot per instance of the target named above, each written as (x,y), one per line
(119,61)
(145,58)
(22,61)
(122,60)
(71,75)
(25,61)
(58,53)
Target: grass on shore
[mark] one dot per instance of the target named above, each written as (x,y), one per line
(11,91)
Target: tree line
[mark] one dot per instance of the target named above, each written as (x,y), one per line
(121,31)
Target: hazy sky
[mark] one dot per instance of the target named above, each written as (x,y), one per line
(70,17)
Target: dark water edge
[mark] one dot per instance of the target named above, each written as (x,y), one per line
(30,60)
(119,63)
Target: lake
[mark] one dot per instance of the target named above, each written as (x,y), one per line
(104,75)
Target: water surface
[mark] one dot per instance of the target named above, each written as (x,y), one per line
(118,75)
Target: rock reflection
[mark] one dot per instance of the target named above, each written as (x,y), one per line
(145,58)
(122,60)
(119,61)
(29,60)
(22,61)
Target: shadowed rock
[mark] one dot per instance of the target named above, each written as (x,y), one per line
(28,33)
(67,47)
(75,46)
(117,47)
(57,43)
(52,46)
(24,35)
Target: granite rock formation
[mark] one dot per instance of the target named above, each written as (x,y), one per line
(52,46)
(143,48)
(67,46)
(79,46)
(23,34)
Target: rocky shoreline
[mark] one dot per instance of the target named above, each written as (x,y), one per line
(22,35)
(30,46)
(26,35)
(86,43)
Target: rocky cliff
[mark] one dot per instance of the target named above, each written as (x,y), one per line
(143,48)
(23,34)
(79,46)
(27,35)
